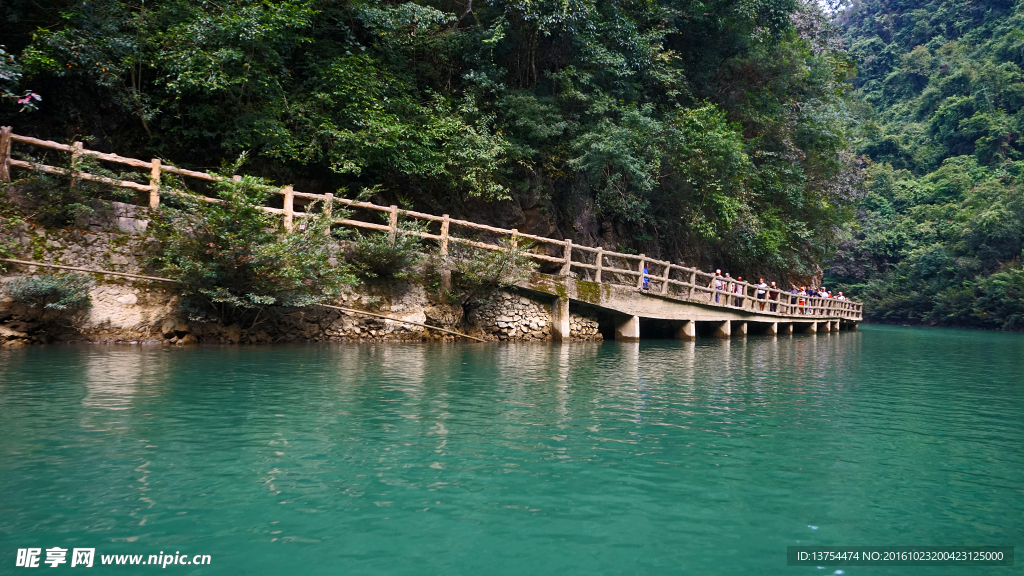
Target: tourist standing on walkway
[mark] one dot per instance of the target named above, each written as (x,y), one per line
(773,295)
(738,288)
(762,291)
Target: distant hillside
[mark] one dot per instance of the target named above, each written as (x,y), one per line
(939,236)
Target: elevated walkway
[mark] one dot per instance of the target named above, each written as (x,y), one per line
(628,309)
(629,290)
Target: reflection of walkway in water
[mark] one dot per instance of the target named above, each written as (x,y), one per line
(113,378)
(111,382)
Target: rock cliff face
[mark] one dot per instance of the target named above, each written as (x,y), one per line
(144,312)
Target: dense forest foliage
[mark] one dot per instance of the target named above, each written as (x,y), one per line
(939,236)
(713,132)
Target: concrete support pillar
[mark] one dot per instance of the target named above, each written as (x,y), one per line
(723,330)
(825,326)
(787,328)
(560,320)
(852,326)
(811,327)
(628,330)
(835,325)
(772,329)
(740,329)
(688,331)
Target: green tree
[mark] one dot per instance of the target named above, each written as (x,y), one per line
(703,131)
(233,261)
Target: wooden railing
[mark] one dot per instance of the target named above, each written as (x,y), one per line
(651,276)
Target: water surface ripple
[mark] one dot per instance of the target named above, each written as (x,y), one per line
(658,458)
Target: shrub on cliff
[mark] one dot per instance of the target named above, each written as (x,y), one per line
(233,260)
(381,255)
(477,272)
(61,292)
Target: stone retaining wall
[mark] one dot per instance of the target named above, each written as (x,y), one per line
(583,326)
(513,317)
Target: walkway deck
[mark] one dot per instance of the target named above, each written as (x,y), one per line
(684,316)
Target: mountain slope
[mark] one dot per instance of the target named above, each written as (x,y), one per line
(940,233)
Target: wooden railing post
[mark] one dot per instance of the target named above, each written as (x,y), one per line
(567,265)
(665,278)
(600,264)
(640,269)
(154,184)
(328,212)
(445,222)
(76,156)
(515,239)
(446,273)
(693,284)
(5,153)
(393,223)
(289,207)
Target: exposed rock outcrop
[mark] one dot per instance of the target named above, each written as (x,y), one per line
(136,311)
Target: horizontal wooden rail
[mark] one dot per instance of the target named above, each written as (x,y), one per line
(657,279)
(89,270)
(82,175)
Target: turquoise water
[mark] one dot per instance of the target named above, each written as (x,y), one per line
(659,458)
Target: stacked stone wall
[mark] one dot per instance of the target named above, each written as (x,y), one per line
(514,317)
(583,326)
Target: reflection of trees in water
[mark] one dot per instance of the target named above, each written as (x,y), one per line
(443,405)
(12,361)
(345,426)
